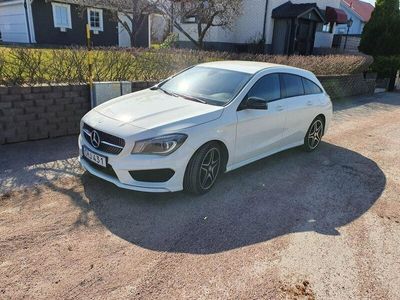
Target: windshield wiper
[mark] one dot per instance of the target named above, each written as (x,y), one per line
(154,88)
(191,98)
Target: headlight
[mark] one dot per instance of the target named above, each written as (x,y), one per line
(162,145)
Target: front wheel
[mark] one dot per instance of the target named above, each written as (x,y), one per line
(203,169)
(314,135)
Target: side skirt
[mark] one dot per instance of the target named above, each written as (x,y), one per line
(261,156)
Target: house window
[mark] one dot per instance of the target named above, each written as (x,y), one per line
(95,19)
(327,27)
(189,19)
(188,9)
(61,15)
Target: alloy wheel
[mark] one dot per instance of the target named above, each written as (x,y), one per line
(209,168)
(315,134)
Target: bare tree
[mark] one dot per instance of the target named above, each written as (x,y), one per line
(203,14)
(131,14)
(136,11)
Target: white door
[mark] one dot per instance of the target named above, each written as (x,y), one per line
(13,25)
(259,131)
(302,98)
(124,39)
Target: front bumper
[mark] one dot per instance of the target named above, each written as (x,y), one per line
(122,164)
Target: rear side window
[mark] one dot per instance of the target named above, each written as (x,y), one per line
(267,88)
(292,85)
(310,87)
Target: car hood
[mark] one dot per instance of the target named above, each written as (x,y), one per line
(150,109)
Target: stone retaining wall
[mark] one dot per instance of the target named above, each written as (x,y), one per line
(339,86)
(32,113)
(39,112)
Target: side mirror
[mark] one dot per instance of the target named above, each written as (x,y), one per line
(255,103)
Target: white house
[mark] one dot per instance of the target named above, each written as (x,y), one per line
(287,27)
(359,12)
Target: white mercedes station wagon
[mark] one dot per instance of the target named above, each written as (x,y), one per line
(208,119)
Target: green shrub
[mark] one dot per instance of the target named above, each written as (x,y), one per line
(169,41)
(38,66)
(385,65)
(381,39)
(381,36)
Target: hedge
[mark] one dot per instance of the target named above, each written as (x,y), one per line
(27,66)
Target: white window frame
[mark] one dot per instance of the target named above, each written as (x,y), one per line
(55,21)
(189,20)
(328,28)
(100,11)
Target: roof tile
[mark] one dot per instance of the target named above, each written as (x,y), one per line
(363,9)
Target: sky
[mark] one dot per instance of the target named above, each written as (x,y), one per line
(370,1)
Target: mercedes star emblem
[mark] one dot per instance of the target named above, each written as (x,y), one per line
(95,139)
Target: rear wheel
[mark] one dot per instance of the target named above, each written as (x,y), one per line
(314,135)
(203,169)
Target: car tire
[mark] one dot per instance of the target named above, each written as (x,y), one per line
(314,135)
(203,169)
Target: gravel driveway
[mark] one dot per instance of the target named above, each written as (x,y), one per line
(321,225)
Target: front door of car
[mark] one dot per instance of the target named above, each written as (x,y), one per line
(259,131)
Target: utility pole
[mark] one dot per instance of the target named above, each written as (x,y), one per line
(90,63)
(264,35)
(349,24)
(27,22)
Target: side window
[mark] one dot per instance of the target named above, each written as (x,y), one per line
(310,87)
(292,85)
(268,88)
(95,19)
(61,15)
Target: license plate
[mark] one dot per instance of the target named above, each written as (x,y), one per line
(94,157)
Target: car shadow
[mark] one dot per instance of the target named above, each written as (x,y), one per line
(286,193)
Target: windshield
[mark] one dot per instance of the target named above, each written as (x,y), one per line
(209,85)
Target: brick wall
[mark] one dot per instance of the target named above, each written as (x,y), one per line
(31,113)
(341,86)
(39,112)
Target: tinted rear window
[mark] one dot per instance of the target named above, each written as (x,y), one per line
(292,85)
(310,87)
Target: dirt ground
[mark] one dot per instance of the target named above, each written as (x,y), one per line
(321,225)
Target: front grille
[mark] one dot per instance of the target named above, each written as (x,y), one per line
(109,143)
(107,170)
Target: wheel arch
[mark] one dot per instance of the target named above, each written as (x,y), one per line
(190,181)
(225,153)
(322,116)
(224,150)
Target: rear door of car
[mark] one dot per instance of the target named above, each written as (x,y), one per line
(300,106)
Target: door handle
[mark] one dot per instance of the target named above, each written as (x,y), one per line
(279,108)
(309,103)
